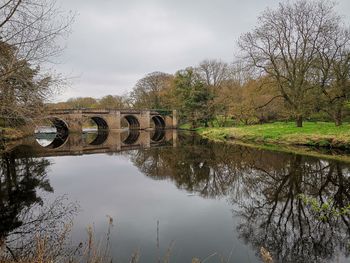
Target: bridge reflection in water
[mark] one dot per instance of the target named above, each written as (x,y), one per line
(55,144)
(261,188)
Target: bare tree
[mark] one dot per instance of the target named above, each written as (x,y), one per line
(35,28)
(214,72)
(284,46)
(332,72)
(31,35)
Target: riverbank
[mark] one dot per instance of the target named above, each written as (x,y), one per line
(320,139)
(10,134)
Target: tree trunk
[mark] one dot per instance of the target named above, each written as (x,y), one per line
(225,120)
(338,118)
(193,124)
(299,121)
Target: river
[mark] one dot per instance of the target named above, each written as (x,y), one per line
(174,194)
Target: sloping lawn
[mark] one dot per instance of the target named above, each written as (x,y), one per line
(322,134)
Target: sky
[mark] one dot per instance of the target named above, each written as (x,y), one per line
(114,43)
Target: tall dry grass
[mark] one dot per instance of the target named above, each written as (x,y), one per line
(89,251)
(94,250)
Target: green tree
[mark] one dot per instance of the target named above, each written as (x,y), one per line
(214,74)
(194,96)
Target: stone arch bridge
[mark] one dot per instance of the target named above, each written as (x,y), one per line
(71,120)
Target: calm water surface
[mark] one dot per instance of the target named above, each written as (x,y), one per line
(204,198)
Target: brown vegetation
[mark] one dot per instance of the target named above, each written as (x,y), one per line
(30,33)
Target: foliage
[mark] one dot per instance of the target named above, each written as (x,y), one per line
(326,210)
(81,102)
(112,102)
(149,90)
(194,96)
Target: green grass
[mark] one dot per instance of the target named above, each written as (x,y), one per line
(314,139)
(319,134)
(220,121)
(185,126)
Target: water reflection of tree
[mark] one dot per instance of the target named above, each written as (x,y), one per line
(264,188)
(20,177)
(192,167)
(275,217)
(24,216)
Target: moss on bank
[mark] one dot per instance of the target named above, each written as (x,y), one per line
(315,139)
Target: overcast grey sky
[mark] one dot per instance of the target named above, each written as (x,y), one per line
(114,43)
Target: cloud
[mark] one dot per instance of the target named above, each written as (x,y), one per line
(114,43)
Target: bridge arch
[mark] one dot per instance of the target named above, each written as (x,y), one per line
(60,125)
(158,135)
(158,121)
(100,138)
(132,121)
(58,141)
(132,137)
(100,122)
(60,136)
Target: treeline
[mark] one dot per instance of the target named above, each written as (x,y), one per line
(211,93)
(108,101)
(294,65)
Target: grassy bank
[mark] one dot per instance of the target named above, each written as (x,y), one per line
(317,138)
(320,134)
(9,134)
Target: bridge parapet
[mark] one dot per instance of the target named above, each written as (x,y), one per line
(106,110)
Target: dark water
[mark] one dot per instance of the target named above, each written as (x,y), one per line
(204,198)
